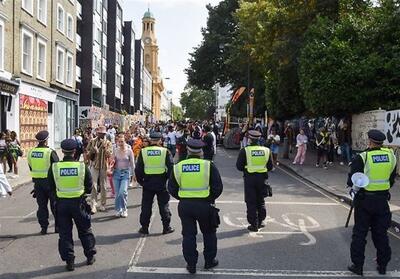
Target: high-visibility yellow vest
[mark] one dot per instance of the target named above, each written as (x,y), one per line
(69,178)
(257,158)
(154,159)
(193,177)
(378,166)
(39,161)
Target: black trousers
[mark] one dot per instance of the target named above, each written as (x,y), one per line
(163,206)
(254,189)
(43,196)
(69,211)
(191,213)
(371,212)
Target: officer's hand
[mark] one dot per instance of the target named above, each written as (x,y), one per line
(352,193)
(33,193)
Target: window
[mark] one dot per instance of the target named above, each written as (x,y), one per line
(97,35)
(104,52)
(96,64)
(70,27)
(98,6)
(60,65)
(104,75)
(27,5)
(119,13)
(119,36)
(60,18)
(27,52)
(105,4)
(118,81)
(41,59)
(69,69)
(1,45)
(42,11)
(105,27)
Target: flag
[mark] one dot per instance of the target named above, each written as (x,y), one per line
(237,94)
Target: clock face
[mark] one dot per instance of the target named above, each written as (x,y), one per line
(147,40)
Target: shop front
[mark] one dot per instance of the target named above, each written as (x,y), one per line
(8,94)
(35,113)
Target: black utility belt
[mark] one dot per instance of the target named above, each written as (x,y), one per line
(380,193)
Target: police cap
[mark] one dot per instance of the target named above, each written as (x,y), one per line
(195,145)
(42,135)
(68,145)
(376,136)
(254,134)
(155,136)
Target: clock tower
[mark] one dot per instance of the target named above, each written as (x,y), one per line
(151,60)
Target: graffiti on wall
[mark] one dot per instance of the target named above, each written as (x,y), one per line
(362,123)
(392,128)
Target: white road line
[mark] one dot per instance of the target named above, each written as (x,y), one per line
(326,195)
(277,203)
(262,273)
(139,247)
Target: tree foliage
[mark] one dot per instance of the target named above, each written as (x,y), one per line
(177,113)
(197,103)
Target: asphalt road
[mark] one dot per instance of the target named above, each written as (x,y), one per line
(304,237)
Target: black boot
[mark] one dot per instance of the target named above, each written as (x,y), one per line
(191,269)
(356,269)
(144,230)
(252,228)
(43,231)
(212,264)
(168,230)
(90,260)
(70,265)
(56,230)
(381,269)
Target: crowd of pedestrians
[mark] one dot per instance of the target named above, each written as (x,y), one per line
(112,154)
(329,138)
(10,151)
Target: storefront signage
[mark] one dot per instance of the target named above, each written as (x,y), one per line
(8,87)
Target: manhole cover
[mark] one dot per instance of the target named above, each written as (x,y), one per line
(5,241)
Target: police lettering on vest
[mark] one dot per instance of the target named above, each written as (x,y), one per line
(37,154)
(153,152)
(191,168)
(257,153)
(376,159)
(69,172)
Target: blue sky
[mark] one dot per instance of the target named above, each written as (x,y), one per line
(178,24)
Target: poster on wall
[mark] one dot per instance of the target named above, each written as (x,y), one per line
(392,128)
(33,117)
(362,123)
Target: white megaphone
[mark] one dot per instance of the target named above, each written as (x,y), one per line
(360,180)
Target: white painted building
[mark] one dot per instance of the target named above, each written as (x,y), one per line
(147,90)
(166,102)
(223,96)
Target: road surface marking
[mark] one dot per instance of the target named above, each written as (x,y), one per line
(301,228)
(276,203)
(262,273)
(139,247)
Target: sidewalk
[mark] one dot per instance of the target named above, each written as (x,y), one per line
(24,176)
(334,180)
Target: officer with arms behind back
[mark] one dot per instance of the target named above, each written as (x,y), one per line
(197,184)
(71,180)
(152,170)
(40,160)
(371,208)
(255,161)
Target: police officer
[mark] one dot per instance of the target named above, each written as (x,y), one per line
(71,180)
(152,170)
(371,208)
(255,161)
(197,184)
(40,160)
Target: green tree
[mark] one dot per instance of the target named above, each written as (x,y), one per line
(177,113)
(197,103)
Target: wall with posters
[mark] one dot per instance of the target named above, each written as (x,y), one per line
(392,128)
(33,117)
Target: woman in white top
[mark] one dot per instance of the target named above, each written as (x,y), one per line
(301,144)
(5,187)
